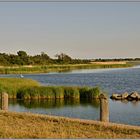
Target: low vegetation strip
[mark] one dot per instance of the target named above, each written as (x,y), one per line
(55,92)
(21,88)
(29,125)
(109,62)
(56,68)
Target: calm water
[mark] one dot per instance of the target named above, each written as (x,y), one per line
(110,80)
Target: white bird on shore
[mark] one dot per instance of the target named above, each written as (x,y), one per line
(21,76)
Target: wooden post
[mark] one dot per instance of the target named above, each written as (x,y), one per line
(4,101)
(104,108)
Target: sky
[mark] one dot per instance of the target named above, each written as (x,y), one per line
(81,30)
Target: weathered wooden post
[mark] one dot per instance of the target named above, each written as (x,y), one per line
(4,101)
(104,108)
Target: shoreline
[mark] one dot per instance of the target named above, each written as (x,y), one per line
(57,68)
(31,125)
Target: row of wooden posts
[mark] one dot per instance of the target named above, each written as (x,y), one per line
(104,107)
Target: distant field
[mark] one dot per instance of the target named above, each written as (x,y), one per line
(60,68)
(109,62)
(27,125)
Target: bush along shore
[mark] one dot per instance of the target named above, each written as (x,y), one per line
(126,96)
(21,88)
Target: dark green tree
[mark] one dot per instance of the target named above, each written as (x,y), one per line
(23,58)
(63,58)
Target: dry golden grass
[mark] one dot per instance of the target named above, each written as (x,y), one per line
(109,62)
(27,125)
(61,67)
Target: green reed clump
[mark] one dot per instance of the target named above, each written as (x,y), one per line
(88,92)
(84,92)
(94,92)
(23,93)
(34,92)
(59,92)
(29,93)
(71,92)
(41,92)
(46,92)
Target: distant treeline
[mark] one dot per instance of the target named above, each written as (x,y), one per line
(22,58)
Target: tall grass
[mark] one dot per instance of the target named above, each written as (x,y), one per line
(46,92)
(71,92)
(59,92)
(12,85)
(29,89)
(54,92)
(94,92)
(86,92)
(28,93)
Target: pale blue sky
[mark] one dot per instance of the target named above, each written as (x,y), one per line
(82,30)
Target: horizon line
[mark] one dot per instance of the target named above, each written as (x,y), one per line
(73,1)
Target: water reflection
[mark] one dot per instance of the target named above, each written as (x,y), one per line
(125,102)
(126,112)
(52,104)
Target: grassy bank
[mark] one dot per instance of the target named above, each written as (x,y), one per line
(57,68)
(43,126)
(29,89)
(12,85)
